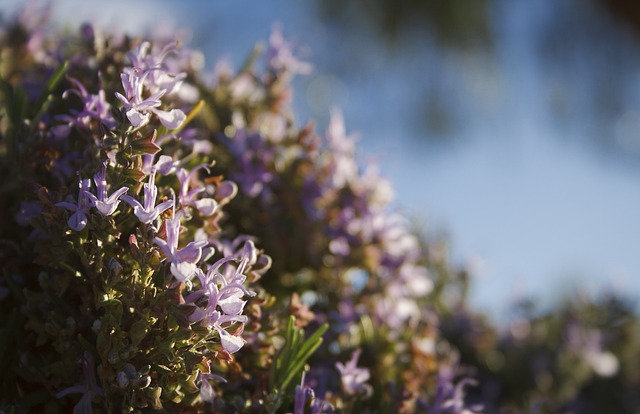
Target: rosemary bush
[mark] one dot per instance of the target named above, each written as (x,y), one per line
(175,242)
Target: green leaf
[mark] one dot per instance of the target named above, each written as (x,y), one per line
(50,87)
(115,309)
(139,329)
(152,395)
(14,101)
(292,357)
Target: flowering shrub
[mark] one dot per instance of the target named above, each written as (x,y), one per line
(177,245)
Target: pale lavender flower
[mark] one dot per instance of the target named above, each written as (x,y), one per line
(148,211)
(206,390)
(106,205)
(78,219)
(280,55)
(166,165)
(353,378)
(225,192)
(139,109)
(94,107)
(183,261)
(224,294)
(158,78)
(88,389)
(342,149)
(206,206)
(449,398)
(305,397)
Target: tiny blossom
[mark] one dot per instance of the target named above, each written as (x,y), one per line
(158,78)
(353,378)
(78,220)
(139,109)
(342,150)
(449,396)
(106,205)
(206,390)
(183,261)
(206,206)
(280,55)
(148,72)
(166,165)
(305,396)
(225,192)
(148,211)
(225,304)
(88,389)
(94,107)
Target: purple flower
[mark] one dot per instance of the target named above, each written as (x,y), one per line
(94,106)
(206,206)
(139,109)
(88,389)
(449,398)
(280,55)
(342,147)
(305,397)
(183,261)
(166,165)
(148,211)
(158,78)
(225,304)
(206,390)
(353,378)
(106,205)
(78,219)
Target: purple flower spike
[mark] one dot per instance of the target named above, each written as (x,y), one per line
(148,211)
(106,205)
(78,219)
(225,304)
(183,261)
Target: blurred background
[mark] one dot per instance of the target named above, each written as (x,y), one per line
(510,129)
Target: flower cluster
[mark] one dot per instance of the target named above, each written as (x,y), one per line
(175,245)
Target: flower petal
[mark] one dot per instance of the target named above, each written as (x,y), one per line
(171,119)
(137,118)
(230,343)
(183,271)
(77,221)
(206,206)
(232,305)
(206,391)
